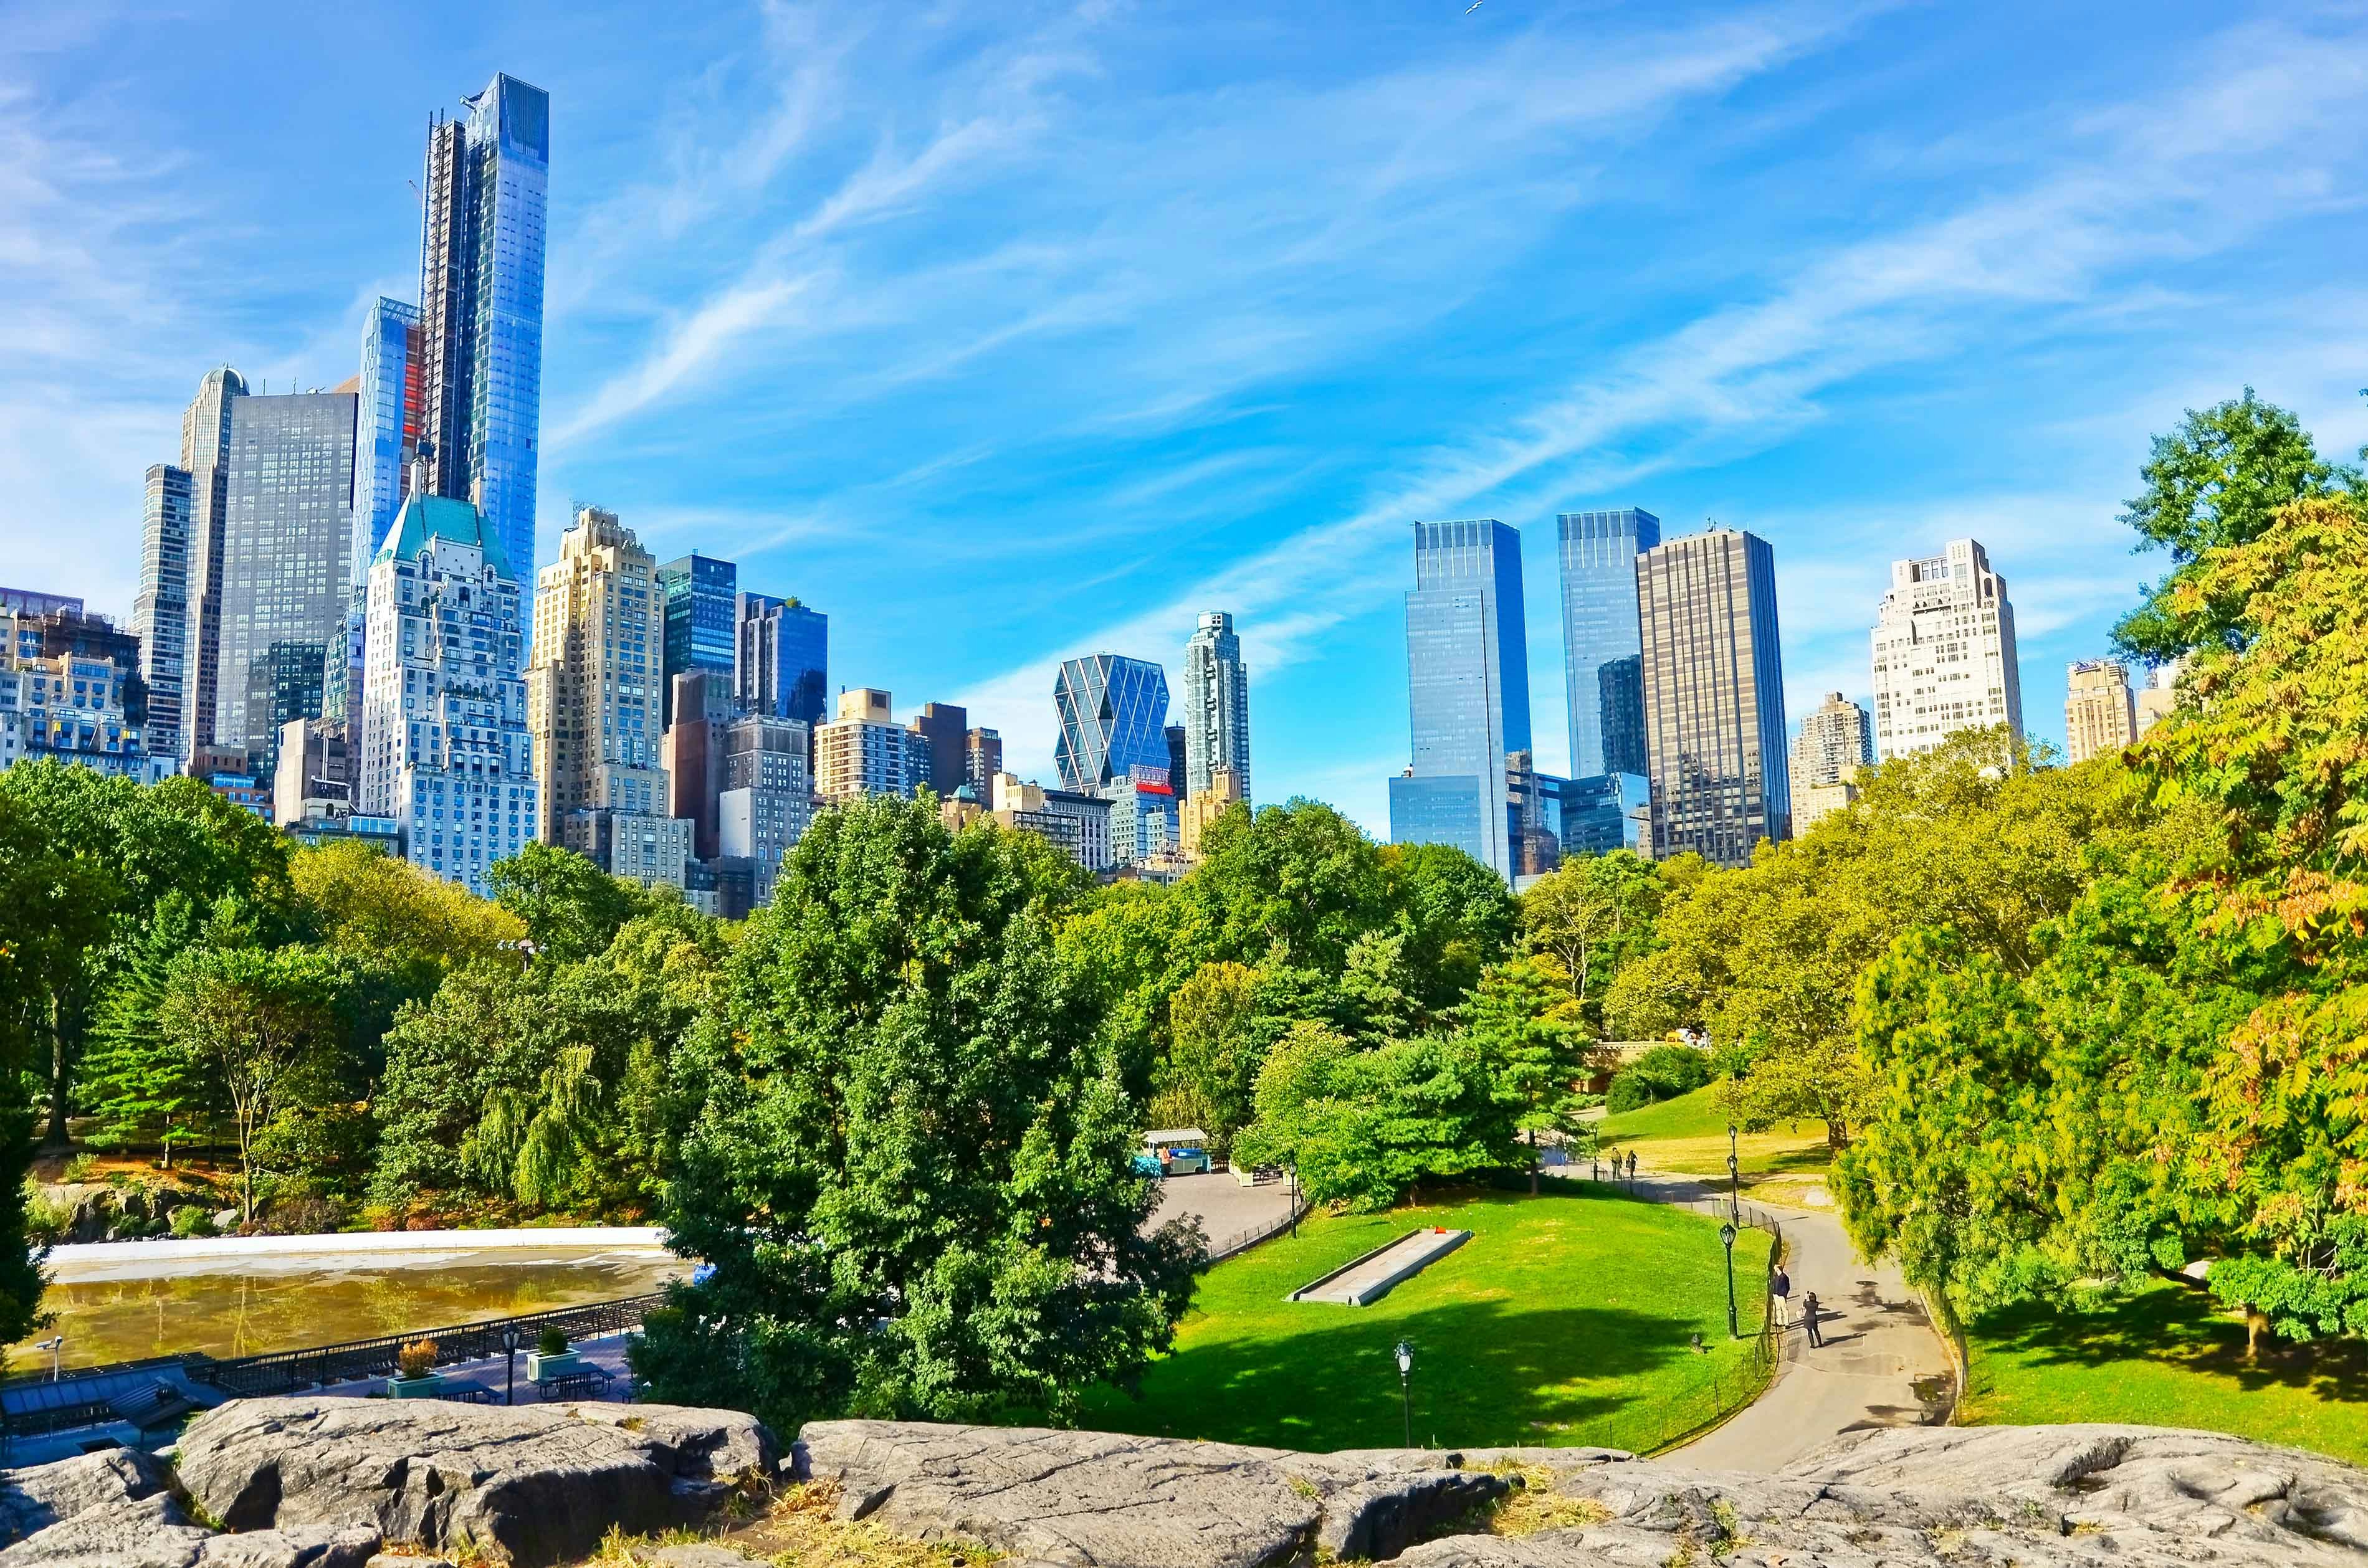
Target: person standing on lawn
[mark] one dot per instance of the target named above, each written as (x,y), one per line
(1781,1289)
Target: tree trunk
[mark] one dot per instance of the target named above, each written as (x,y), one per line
(57,1135)
(1534,1162)
(2256,1321)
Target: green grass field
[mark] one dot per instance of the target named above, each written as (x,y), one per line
(1688,1136)
(2166,1355)
(1564,1320)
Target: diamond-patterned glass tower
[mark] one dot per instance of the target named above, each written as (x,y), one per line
(1113,714)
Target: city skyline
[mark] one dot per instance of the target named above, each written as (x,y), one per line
(1803,353)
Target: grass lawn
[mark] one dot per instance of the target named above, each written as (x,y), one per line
(1688,1136)
(1564,1321)
(2166,1355)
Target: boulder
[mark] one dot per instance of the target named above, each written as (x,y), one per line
(113,1510)
(1984,1497)
(1080,1499)
(534,1484)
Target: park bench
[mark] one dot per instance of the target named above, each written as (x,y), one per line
(584,1381)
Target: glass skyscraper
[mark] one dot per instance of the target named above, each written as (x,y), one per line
(1602,644)
(386,428)
(1713,696)
(481,259)
(782,668)
(702,597)
(284,563)
(1113,713)
(1468,690)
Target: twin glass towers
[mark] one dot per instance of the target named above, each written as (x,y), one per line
(1673,681)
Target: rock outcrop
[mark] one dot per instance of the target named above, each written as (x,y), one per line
(116,1510)
(1982,1497)
(533,1483)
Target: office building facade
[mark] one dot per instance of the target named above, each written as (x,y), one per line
(481,274)
(445,747)
(205,456)
(592,698)
(285,564)
(1468,690)
(1602,641)
(765,803)
(386,428)
(1944,655)
(1200,810)
(1216,706)
(1601,812)
(783,666)
(70,689)
(2153,703)
(702,703)
(1077,823)
(702,596)
(982,760)
(1113,719)
(160,613)
(1714,687)
(314,780)
(2099,709)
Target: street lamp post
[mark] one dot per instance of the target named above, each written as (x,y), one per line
(509,1363)
(1734,1179)
(55,1345)
(1405,1387)
(1727,1240)
(1294,1203)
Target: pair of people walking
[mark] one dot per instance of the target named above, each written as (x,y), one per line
(1781,1288)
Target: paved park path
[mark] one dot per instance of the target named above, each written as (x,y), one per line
(1878,1347)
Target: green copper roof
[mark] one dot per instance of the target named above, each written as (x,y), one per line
(439,516)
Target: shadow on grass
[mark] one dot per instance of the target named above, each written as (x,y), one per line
(1485,1372)
(2178,1326)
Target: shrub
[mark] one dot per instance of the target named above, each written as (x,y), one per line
(79,1168)
(189,1221)
(46,1219)
(1661,1073)
(416,1360)
(550,1342)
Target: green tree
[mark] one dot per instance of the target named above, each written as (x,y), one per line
(1592,915)
(139,1085)
(1297,881)
(143,842)
(2217,480)
(1215,1057)
(52,909)
(1457,916)
(1519,1018)
(264,1025)
(912,1171)
(570,908)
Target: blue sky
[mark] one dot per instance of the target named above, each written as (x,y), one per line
(1005,332)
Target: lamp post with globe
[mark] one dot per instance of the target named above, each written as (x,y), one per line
(1727,1240)
(1404,1353)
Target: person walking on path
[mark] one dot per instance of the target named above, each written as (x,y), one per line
(1781,1289)
(1809,1319)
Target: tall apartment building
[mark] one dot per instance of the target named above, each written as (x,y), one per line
(1836,740)
(982,760)
(1114,717)
(2100,711)
(1179,759)
(945,732)
(1602,641)
(693,752)
(480,263)
(865,751)
(445,749)
(1713,682)
(765,803)
(782,666)
(205,457)
(1216,706)
(314,780)
(592,702)
(1468,699)
(160,613)
(284,573)
(388,410)
(1145,821)
(1944,656)
(702,631)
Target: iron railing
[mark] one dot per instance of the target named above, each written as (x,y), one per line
(285,1371)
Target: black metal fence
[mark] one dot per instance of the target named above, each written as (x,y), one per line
(1242,1241)
(1732,1386)
(285,1371)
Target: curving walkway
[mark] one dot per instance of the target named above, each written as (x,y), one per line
(1879,1347)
